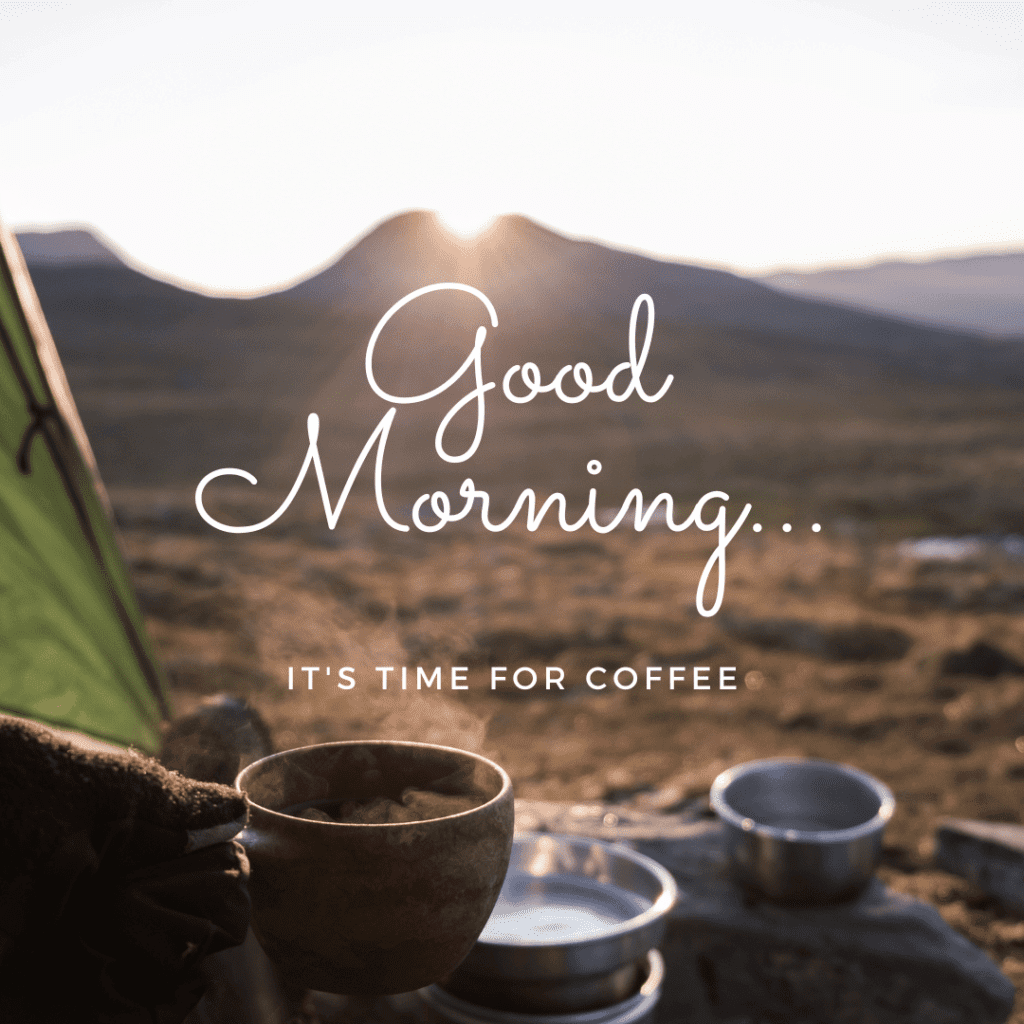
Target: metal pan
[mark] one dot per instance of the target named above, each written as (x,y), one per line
(571,908)
(546,995)
(637,1007)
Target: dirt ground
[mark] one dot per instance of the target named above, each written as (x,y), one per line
(843,647)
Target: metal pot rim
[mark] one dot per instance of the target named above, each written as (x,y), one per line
(719,802)
(653,914)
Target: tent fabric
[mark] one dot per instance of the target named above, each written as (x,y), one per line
(73,647)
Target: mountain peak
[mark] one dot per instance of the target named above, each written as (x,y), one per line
(61,247)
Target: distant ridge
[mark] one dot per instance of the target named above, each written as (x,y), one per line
(983,293)
(62,247)
(544,282)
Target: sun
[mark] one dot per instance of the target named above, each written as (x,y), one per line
(466,222)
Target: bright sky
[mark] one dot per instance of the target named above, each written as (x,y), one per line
(239,145)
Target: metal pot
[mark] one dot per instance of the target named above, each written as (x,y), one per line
(573,920)
(802,831)
(546,995)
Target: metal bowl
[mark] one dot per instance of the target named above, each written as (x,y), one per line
(802,831)
(573,919)
(575,994)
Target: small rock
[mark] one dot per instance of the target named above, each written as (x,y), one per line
(867,642)
(981,659)
(989,854)
(799,719)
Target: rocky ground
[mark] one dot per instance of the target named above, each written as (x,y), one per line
(844,647)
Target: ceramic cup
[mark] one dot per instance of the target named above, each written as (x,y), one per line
(372,909)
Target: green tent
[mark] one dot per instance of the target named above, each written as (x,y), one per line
(73,647)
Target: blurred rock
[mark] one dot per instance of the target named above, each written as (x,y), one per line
(981,659)
(509,646)
(859,642)
(218,678)
(989,854)
(884,958)
(927,597)
(178,605)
